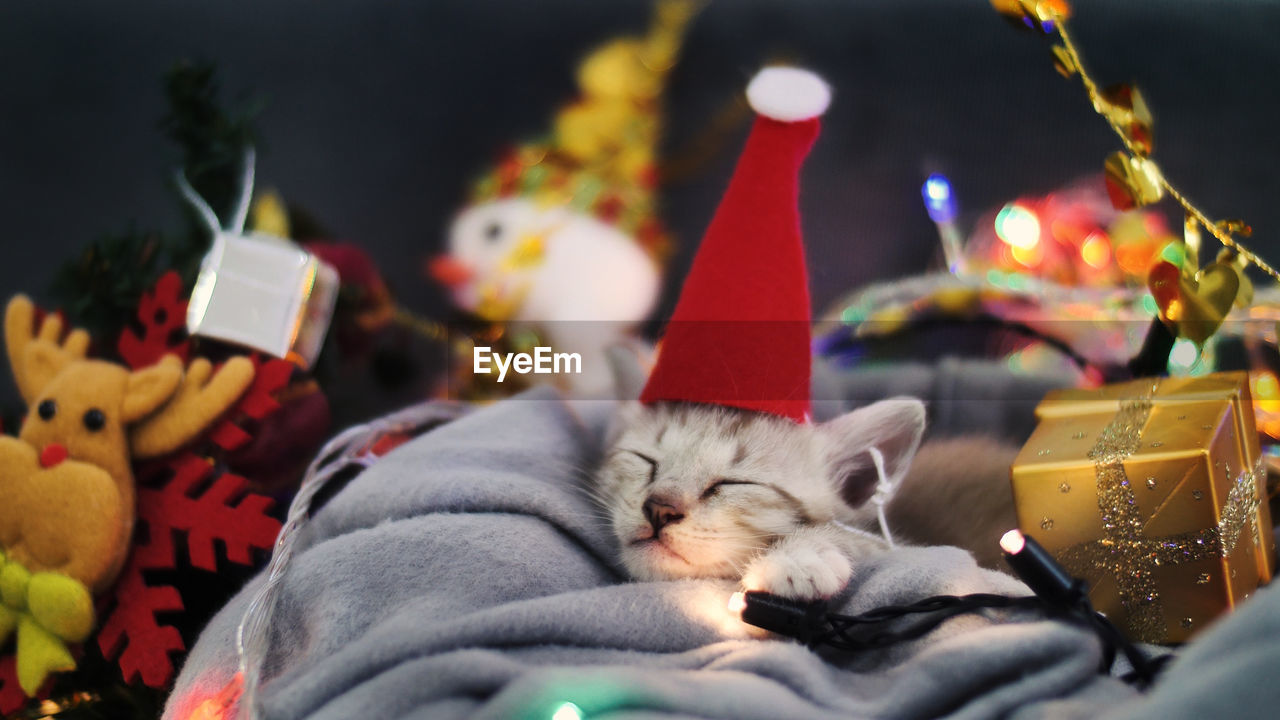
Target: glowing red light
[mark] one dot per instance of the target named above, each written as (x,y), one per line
(221,706)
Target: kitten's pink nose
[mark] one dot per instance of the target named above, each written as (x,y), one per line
(661,512)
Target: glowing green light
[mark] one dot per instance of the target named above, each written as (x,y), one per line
(1183,357)
(567,711)
(995,277)
(1149,304)
(854,314)
(1173,253)
(1018,281)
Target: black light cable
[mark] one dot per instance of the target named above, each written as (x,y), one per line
(1056,593)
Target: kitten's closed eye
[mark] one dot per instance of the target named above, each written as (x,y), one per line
(653,464)
(714,488)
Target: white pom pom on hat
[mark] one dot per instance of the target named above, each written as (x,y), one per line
(788,94)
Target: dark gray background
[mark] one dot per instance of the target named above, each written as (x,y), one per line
(379,114)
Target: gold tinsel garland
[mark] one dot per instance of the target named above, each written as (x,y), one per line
(1131,172)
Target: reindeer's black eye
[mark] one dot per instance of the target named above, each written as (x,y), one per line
(47,409)
(492,231)
(94,419)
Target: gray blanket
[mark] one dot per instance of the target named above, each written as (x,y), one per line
(468,575)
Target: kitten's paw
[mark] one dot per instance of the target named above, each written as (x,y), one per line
(801,571)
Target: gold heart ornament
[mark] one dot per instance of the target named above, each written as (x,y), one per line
(1127,110)
(1244,298)
(1132,182)
(1205,299)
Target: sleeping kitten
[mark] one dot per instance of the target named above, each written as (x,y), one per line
(707,491)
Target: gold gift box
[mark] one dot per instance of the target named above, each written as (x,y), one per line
(1154,492)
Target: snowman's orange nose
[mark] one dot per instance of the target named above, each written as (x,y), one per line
(448,271)
(52,454)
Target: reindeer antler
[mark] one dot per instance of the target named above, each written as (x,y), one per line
(37,356)
(202,397)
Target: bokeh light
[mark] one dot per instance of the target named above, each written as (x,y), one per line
(938,199)
(1027,256)
(1266,391)
(567,711)
(1266,401)
(1183,357)
(1096,251)
(1018,226)
(1173,253)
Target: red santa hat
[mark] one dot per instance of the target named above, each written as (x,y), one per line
(740,334)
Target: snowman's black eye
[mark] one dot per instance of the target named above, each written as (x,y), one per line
(94,419)
(47,410)
(493,231)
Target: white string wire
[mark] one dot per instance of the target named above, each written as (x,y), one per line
(350,447)
(197,203)
(880,497)
(246,192)
(882,494)
(207,214)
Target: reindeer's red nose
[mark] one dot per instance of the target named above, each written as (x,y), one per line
(52,454)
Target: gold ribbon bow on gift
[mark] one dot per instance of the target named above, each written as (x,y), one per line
(48,610)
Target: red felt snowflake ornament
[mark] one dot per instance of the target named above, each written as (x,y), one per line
(177,504)
(163,314)
(11,696)
(223,512)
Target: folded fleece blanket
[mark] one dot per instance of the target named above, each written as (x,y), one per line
(468,574)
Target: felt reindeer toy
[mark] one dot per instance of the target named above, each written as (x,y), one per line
(66,483)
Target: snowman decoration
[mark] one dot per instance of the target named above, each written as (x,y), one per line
(562,235)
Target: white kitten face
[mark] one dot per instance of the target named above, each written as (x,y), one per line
(698,491)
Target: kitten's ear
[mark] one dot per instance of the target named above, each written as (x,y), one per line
(893,427)
(628,375)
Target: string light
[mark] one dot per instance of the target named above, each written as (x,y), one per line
(1037,568)
(567,711)
(1013,541)
(1026,256)
(940,203)
(938,199)
(1018,226)
(1135,258)
(1266,390)
(1057,594)
(1266,403)
(1183,357)
(1096,251)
